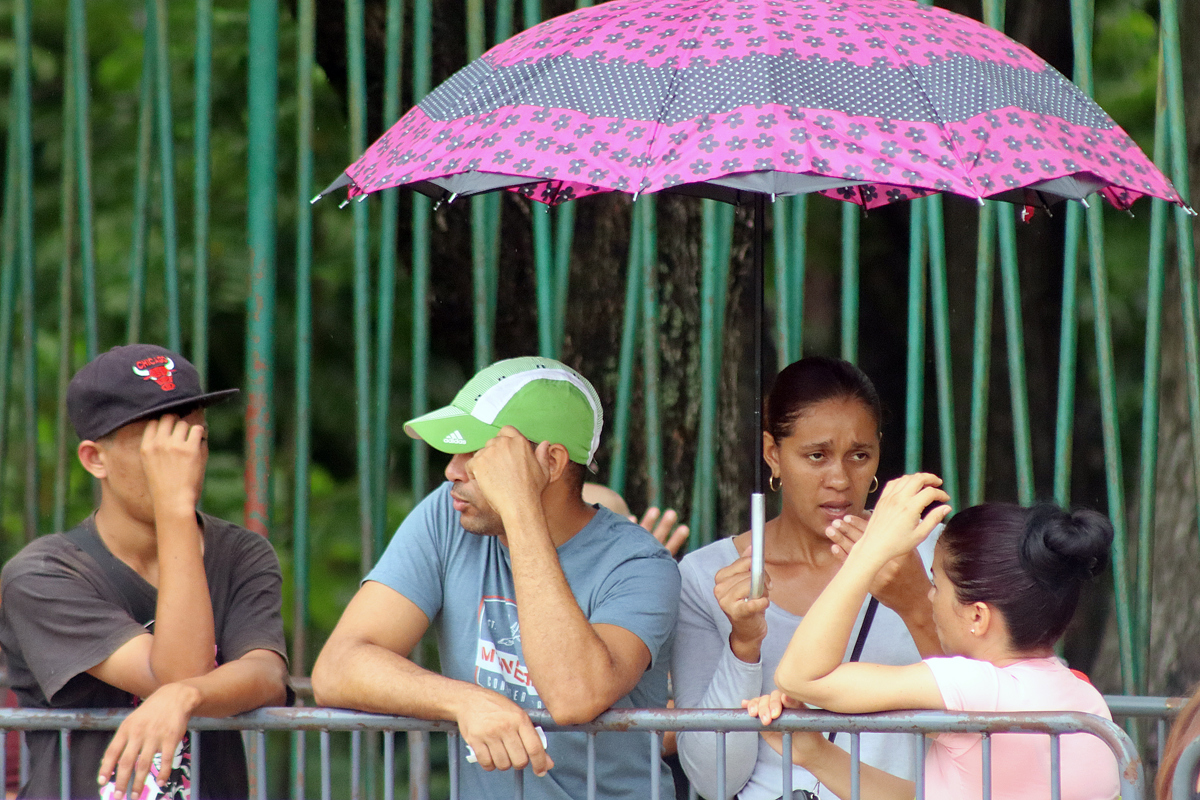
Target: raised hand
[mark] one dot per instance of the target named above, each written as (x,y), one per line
(897,525)
(748,617)
(510,470)
(664,527)
(174,452)
(900,583)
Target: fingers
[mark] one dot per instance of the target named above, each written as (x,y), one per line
(675,542)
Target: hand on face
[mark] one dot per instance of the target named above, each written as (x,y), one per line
(900,583)
(896,526)
(748,617)
(174,452)
(510,471)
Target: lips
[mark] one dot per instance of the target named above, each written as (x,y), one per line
(835,510)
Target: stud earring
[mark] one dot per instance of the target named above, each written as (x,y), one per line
(972,630)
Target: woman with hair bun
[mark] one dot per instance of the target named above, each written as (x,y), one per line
(1006,581)
(821,441)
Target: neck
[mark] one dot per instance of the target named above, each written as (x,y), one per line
(129,539)
(787,539)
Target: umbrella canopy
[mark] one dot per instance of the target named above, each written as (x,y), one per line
(870,101)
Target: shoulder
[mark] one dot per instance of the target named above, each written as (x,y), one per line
(232,539)
(708,559)
(53,554)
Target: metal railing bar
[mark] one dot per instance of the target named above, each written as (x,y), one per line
(194,737)
(1183,782)
(987,766)
(855,767)
(260,764)
(64,765)
(721,777)
(920,770)
(786,776)
(518,784)
(591,766)
(655,766)
(1055,767)
(389,765)
(326,790)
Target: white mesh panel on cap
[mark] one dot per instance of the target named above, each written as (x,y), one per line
(495,398)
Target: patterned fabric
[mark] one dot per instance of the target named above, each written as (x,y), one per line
(869,101)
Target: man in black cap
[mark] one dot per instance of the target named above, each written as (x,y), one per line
(146,598)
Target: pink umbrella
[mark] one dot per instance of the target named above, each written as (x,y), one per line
(870,101)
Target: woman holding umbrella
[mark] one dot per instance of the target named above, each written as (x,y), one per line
(821,443)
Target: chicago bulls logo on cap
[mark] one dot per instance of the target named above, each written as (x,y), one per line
(157,369)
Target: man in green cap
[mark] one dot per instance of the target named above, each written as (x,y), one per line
(540,601)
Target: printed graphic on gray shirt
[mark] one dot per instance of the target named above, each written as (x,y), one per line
(499,665)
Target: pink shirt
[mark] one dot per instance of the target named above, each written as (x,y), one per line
(1020,761)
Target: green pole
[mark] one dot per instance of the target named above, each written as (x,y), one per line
(387,280)
(357,97)
(141,192)
(201,164)
(621,413)
(781,235)
(156,10)
(1015,339)
(645,208)
(83,159)
(422,66)
(305,62)
(260,316)
(22,80)
(8,281)
(914,405)
(543,262)
(62,474)
(1068,353)
(564,235)
(982,350)
(850,226)
(941,347)
(481,211)
(796,296)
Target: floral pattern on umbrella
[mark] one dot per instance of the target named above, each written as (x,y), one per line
(870,101)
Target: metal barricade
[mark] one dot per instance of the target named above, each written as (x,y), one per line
(650,721)
(1183,782)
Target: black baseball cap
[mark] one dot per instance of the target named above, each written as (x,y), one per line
(134,382)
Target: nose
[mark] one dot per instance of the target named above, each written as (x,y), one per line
(929,594)
(838,476)
(456,470)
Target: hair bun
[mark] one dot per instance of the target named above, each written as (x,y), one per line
(1060,547)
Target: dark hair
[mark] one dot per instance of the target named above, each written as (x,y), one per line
(812,380)
(1029,563)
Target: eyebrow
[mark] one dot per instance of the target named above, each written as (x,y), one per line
(829,443)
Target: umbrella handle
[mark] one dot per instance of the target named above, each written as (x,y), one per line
(758,518)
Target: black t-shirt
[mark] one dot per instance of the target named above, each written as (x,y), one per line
(60,615)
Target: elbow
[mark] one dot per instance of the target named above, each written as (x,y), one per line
(573,709)
(324,680)
(794,686)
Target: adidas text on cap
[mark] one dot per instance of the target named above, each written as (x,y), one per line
(544,399)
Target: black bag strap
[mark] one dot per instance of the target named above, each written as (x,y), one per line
(861,641)
(137,601)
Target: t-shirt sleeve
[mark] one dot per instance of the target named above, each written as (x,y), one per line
(966,684)
(641,595)
(412,563)
(61,621)
(254,620)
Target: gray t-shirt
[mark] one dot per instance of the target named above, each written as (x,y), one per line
(61,615)
(619,574)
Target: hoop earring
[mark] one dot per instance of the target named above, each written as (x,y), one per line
(874,484)
(775,482)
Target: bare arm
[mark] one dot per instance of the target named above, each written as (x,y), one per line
(579,669)
(365,665)
(158,725)
(173,454)
(818,646)
(901,584)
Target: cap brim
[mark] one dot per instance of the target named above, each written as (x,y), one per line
(451,430)
(198,401)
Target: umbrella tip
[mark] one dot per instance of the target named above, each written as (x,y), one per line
(1083,202)
(1191,211)
(344,203)
(980,201)
(315,199)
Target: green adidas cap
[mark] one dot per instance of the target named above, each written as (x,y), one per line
(544,399)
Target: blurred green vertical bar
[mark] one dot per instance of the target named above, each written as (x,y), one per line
(480,220)
(263,79)
(1152,370)
(356,91)
(62,457)
(645,208)
(83,160)
(564,236)
(141,191)
(940,300)
(629,329)
(201,163)
(1113,469)
(166,161)
(1068,356)
(850,226)
(305,60)
(8,284)
(1010,283)
(1081,31)
(422,68)
(914,403)
(780,232)
(981,361)
(726,215)
(1169,26)
(543,262)
(701,511)
(22,80)
(799,253)
(387,277)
